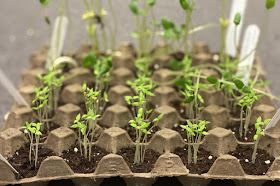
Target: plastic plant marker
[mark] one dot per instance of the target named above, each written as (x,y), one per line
(273,121)
(4,160)
(238,6)
(57,38)
(11,89)
(247,54)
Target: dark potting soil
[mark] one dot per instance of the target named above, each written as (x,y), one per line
(20,160)
(250,134)
(149,161)
(244,153)
(80,164)
(205,160)
(132,132)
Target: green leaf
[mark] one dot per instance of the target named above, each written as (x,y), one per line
(180,83)
(135,34)
(255,137)
(45,2)
(238,83)
(205,133)
(237,19)
(105,96)
(133,8)
(78,117)
(200,98)
(185,4)
(151,2)
(149,111)
(270,4)
(140,112)
(267,121)
(47,20)
(217,86)
(189,99)
(247,89)
(75,126)
(259,119)
(212,80)
(89,60)
(166,23)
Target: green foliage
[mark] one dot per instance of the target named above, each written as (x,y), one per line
(237,19)
(270,4)
(142,64)
(186,5)
(33,130)
(194,134)
(45,2)
(259,131)
(259,127)
(41,96)
(151,2)
(89,60)
(133,8)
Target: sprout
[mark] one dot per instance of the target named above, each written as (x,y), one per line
(194,134)
(33,130)
(259,131)
(270,4)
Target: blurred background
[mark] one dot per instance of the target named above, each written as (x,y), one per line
(23,30)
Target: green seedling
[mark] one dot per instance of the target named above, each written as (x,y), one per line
(141,127)
(237,20)
(193,98)
(101,66)
(54,83)
(40,102)
(144,34)
(194,134)
(188,6)
(94,100)
(95,16)
(33,131)
(259,131)
(86,126)
(247,102)
(142,87)
(270,4)
(224,23)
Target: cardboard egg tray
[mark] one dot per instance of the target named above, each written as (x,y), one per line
(115,118)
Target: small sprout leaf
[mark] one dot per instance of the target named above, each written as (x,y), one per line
(238,83)
(270,4)
(212,80)
(237,19)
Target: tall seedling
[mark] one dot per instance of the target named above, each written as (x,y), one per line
(143,33)
(86,126)
(142,87)
(33,131)
(194,134)
(40,102)
(259,131)
(188,6)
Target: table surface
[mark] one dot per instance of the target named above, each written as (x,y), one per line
(19,19)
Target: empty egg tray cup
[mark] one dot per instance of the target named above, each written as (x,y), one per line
(116,117)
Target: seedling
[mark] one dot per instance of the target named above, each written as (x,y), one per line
(143,33)
(86,125)
(238,7)
(101,67)
(33,131)
(141,127)
(270,4)
(142,87)
(40,101)
(247,102)
(224,23)
(54,83)
(194,134)
(188,6)
(193,98)
(259,131)
(95,16)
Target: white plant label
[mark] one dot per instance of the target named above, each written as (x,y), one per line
(247,53)
(5,161)
(273,121)
(55,52)
(238,6)
(12,90)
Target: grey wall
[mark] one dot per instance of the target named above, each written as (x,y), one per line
(17,17)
